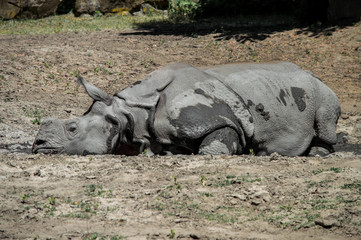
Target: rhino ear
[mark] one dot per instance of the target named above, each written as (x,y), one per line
(94,92)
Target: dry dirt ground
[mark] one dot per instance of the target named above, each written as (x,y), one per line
(185,197)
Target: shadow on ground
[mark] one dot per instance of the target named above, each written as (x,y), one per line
(251,29)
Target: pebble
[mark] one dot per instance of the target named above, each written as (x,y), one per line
(326,223)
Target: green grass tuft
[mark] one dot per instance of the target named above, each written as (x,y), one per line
(69,23)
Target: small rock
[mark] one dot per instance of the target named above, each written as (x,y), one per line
(90,177)
(233,202)
(11,164)
(32,211)
(266,197)
(139,13)
(326,220)
(85,15)
(37,173)
(72,234)
(274,156)
(345,116)
(238,196)
(180,220)
(326,223)
(285,221)
(194,236)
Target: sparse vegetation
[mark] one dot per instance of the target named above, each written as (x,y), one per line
(355,185)
(172,234)
(206,194)
(251,152)
(232,179)
(85,209)
(69,23)
(203,180)
(94,190)
(97,236)
(177,186)
(49,210)
(336,170)
(333,169)
(24,197)
(52,201)
(182,10)
(37,115)
(321,184)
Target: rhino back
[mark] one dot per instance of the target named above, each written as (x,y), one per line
(282,100)
(271,85)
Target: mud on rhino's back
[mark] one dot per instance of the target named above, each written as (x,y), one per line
(280,96)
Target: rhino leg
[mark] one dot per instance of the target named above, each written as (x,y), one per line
(326,122)
(221,141)
(320,148)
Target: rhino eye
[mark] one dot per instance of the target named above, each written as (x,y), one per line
(72,129)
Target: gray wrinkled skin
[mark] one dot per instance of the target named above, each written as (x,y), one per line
(226,109)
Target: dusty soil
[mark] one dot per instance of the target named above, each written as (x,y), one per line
(189,197)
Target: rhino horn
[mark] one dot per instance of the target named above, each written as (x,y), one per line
(94,92)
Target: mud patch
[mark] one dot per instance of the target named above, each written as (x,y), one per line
(197,121)
(298,94)
(16,148)
(352,148)
(282,97)
(260,109)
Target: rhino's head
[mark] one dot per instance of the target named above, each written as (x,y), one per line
(99,131)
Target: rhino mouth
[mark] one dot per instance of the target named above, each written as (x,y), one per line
(43,146)
(48,150)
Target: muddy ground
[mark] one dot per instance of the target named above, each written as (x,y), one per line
(185,197)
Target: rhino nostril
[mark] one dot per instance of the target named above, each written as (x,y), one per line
(40,142)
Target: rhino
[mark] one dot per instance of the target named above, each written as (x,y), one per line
(180,109)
